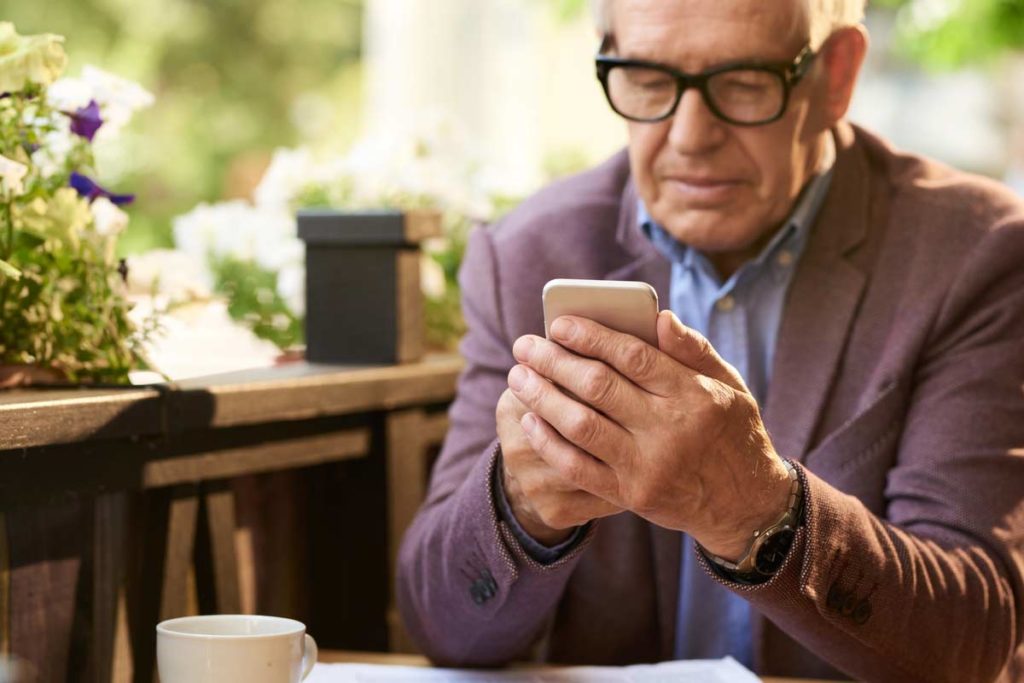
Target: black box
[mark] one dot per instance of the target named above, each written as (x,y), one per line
(363,299)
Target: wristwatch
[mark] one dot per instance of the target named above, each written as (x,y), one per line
(769,546)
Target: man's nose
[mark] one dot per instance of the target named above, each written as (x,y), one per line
(695,128)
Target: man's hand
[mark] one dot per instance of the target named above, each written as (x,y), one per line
(673,435)
(544,503)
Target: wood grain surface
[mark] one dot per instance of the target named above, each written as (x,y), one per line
(47,416)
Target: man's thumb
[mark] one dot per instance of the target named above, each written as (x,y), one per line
(690,348)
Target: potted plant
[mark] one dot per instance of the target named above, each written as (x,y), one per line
(63,308)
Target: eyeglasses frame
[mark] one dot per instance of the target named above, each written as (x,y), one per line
(790,73)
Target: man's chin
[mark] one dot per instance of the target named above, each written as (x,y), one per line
(711,237)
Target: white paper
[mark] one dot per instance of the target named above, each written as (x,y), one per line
(726,670)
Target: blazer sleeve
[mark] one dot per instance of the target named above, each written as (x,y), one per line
(468,593)
(933,590)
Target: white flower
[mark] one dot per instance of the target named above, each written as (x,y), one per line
(217,229)
(29,59)
(291,285)
(276,241)
(108,219)
(174,275)
(202,339)
(432,281)
(57,144)
(69,94)
(239,230)
(290,171)
(12,175)
(118,97)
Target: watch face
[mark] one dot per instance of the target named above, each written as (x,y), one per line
(773,551)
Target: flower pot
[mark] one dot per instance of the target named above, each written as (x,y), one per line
(363,298)
(13,376)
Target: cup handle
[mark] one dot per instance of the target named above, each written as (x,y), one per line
(309,656)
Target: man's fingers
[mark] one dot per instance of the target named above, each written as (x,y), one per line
(635,359)
(567,510)
(695,352)
(592,381)
(578,423)
(573,464)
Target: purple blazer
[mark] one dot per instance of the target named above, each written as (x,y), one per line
(898,384)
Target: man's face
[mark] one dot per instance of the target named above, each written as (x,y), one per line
(717,187)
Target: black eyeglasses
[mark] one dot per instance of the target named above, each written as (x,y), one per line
(743,94)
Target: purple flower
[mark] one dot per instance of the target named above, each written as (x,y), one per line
(85,121)
(89,189)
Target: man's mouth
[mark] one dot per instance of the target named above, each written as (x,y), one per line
(702,189)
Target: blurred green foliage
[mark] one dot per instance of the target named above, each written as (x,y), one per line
(253,299)
(951,33)
(568,9)
(233,80)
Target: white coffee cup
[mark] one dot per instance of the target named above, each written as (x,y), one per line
(233,647)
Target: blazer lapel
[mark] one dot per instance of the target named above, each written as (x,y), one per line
(820,305)
(644,262)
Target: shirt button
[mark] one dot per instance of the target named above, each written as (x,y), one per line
(726,303)
(784,259)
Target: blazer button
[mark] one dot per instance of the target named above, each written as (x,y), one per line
(490,582)
(862,612)
(849,605)
(481,591)
(836,597)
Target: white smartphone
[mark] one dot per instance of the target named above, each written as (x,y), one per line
(629,307)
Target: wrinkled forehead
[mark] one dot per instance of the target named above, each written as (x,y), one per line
(697,33)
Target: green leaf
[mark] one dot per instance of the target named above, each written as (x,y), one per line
(7,270)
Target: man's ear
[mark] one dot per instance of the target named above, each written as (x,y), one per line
(842,56)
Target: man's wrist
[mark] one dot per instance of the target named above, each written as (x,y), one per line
(539,549)
(537,530)
(774,502)
(768,544)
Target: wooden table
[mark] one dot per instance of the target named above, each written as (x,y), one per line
(83,459)
(339,656)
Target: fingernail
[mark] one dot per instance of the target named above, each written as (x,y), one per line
(528,422)
(563,329)
(522,349)
(517,378)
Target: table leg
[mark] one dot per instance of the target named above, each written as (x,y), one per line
(178,592)
(112,656)
(220,519)
(411,434)
(5,590)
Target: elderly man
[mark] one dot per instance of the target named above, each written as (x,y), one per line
(820,469)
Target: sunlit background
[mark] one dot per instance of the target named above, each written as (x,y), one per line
(234,79)
(504,88)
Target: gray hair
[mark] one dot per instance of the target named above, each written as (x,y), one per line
(826,16)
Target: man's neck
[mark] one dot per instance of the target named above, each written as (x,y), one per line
(727,263)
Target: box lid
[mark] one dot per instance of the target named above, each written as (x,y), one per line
(367,228)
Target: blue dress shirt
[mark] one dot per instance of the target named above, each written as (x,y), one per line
(740,317)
